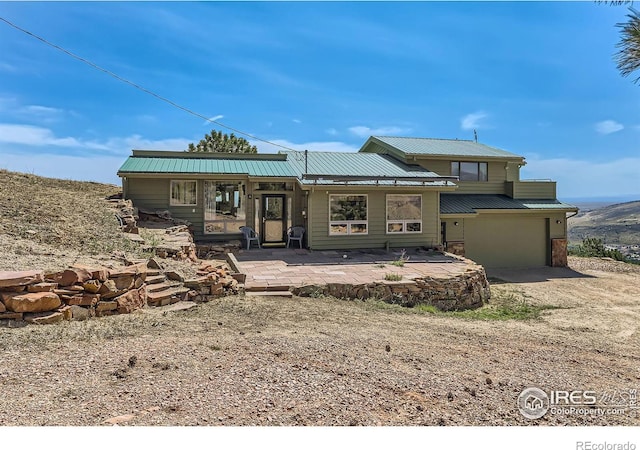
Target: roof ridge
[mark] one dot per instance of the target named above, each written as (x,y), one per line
(429,138)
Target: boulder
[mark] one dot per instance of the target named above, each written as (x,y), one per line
(80,313)
(66,312)
(131,301)
(44,318)
(42,287)
(92,286)
(124,282)
(106,306)
(175,276)
(82,299)
(71,276)
(31,302)
(97,273)
(20,278)
(2,308)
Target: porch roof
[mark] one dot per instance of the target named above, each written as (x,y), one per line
(470,203)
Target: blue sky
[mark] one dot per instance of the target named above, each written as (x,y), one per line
(537,79)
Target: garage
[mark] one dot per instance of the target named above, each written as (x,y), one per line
(505,240)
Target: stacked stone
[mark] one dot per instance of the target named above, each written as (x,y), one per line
(76,293)
(214,280)
(466,291)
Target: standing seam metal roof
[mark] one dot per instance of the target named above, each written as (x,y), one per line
(356,164)
(470,203)
(449,147)
(257,168)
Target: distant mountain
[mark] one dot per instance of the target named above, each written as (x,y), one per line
(614,224)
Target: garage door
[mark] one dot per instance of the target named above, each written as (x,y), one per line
(506,241)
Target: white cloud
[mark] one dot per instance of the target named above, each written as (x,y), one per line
(102,169)
(608,127)
(296,120)
(579,178)
(472,121)
(33,136)
(125,144)
(212,119)
(331,131)
(363,131)
(319,146)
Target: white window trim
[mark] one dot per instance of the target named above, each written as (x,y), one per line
(172,202)
(402,221)
(348,223)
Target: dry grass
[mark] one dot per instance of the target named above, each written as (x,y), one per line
(63,214)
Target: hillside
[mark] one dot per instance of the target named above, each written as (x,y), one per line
(45,222)
(617,224)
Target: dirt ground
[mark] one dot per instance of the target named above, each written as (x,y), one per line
(323,361)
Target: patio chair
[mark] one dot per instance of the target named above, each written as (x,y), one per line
(250,235)
(295,234)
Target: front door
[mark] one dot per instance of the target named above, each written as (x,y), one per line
(274,218)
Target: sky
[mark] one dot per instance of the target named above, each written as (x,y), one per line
(534,78)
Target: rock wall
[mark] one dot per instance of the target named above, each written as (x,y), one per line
(466,291)
(80,292)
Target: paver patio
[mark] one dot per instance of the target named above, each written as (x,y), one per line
(279,269)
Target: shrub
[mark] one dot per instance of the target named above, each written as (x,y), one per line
(594,247)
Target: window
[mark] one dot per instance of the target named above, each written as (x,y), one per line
(284,186)
(404,213)
(183,193)
(348,214)
(469,171)
(224,207)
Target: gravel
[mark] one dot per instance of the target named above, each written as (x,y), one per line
(322,361)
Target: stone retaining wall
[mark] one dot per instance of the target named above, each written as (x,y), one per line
(466,291)
(80,292)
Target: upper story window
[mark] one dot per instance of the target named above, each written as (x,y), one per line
(183,193)
(348,214)
(469,171)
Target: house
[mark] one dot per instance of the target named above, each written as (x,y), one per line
(396,192)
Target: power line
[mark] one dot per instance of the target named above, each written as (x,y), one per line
(145,90)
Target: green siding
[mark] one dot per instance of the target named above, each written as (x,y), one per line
(532,189)
(497,175)
(319,238)
(455,232)
(153,194)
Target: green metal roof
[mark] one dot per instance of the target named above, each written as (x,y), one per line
(202,165)
(441,147)
(470,203)
(373,168)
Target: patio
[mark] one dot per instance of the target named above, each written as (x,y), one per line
(280,269)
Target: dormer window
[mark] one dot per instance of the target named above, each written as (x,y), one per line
(469,171)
